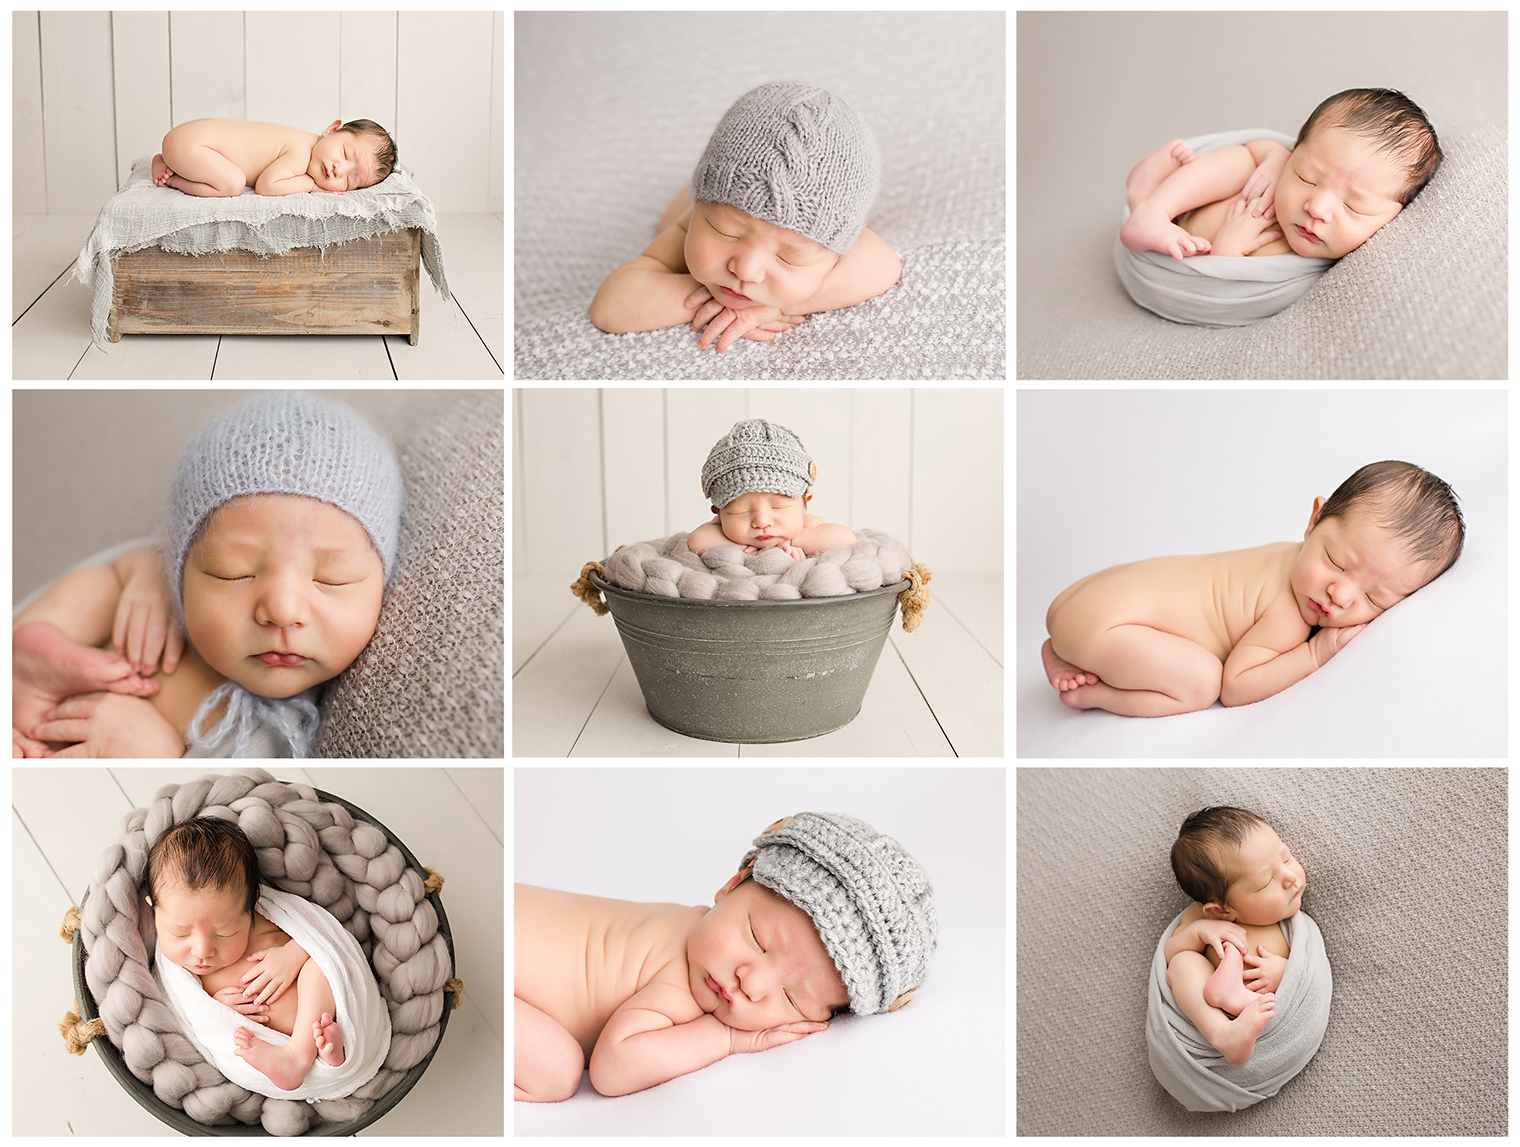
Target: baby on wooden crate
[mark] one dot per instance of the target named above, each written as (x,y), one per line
(284,530)
(220,157)
(825,915)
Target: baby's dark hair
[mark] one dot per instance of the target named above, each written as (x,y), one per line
(206,852)
(1198,855)
(380,139)
(1416,506)
(1392,121)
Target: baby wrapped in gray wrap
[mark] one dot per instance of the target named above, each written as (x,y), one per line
(1196,1073)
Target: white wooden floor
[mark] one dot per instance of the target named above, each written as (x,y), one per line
(453,820)
(462,339)
(937,692)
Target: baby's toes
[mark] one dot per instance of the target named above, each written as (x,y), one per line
(1182,153)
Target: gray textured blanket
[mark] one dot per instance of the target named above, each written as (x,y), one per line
(1217,290)
(1195,1073)
(667,567)
(143,214)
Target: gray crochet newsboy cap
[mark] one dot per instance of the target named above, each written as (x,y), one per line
(871,902)
(794,156)
(285,442)
(757,457)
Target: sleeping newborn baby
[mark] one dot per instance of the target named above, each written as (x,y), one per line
(771,229)
(204,877)
(1175,634)
(1226,958)
(758,477)
(1359,160)
(220,157)
(824,915)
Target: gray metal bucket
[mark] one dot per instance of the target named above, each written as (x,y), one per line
(753,672)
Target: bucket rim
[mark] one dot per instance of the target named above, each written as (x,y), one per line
(607,587)
(175,1117)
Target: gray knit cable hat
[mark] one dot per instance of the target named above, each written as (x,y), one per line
(285,442)
(758,457)
(871,902)
(794,156)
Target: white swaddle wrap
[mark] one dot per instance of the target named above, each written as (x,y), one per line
(1217,290)
(208,1023)
(1190,1067)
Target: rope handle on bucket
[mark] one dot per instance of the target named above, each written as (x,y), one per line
(433,883)
(588,593)
(915,599)
(76,1031)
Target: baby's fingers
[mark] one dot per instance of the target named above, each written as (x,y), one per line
(174,648)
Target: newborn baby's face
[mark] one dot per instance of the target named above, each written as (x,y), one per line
(1269,883)
(745,262)
(281,592)
(756,962)
(342,161)
(1350,570)
(762,520)
(203,930)
(1336,190)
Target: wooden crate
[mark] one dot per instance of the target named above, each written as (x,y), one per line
(362,287)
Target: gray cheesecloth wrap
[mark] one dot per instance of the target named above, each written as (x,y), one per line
(144,214)
(794,156)
(278,442)
(1217,290)
(1189,1067)
(870,901)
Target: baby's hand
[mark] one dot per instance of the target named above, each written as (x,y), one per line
(1242,231)
(277,970)
(1328,642)
(1216,933)
(741,1041)
(726,325)
(232,996)
(144,627)
(1262,186)
(1264,971)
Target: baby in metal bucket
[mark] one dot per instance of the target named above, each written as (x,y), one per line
(825,915)
(283,532)
(220,157)
(758,477)
(1359,160)
(1175,634)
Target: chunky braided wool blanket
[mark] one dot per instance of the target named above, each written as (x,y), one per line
(312,848)
(667,567)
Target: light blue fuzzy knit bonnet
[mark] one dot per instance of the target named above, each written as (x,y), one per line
(797,157)
(285,442)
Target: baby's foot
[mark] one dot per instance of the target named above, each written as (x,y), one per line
(1225,989)
(275,1062)
(1150,172)
(329,1037)
(46,667)
(162,171)
(1063,674)
(1146,230)
(1237,1040)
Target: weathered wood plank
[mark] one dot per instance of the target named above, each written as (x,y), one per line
(366,286)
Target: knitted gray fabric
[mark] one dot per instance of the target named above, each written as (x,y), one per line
(756,456)
(871,902)
(285,442)
(795,156)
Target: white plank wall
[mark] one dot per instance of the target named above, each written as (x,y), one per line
(595,469)
(92,91)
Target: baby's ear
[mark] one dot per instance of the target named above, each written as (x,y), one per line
(734,881)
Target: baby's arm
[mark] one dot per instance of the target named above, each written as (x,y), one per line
(866,270)
(656,1035)
(705,537)
(284,177)
(816,539)
(650,292)
(1198,935)
(1273,655)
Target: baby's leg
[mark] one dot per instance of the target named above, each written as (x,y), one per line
(1187,975)
(546,1059)
(1212,176)
(1147,175)
(197,168)
(287,1066)
(1226,989)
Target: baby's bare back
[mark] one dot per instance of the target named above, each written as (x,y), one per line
(252,146)
(578,958)
(1210,599)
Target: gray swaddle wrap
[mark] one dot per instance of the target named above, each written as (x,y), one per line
(1217,290)
(1191,1068)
